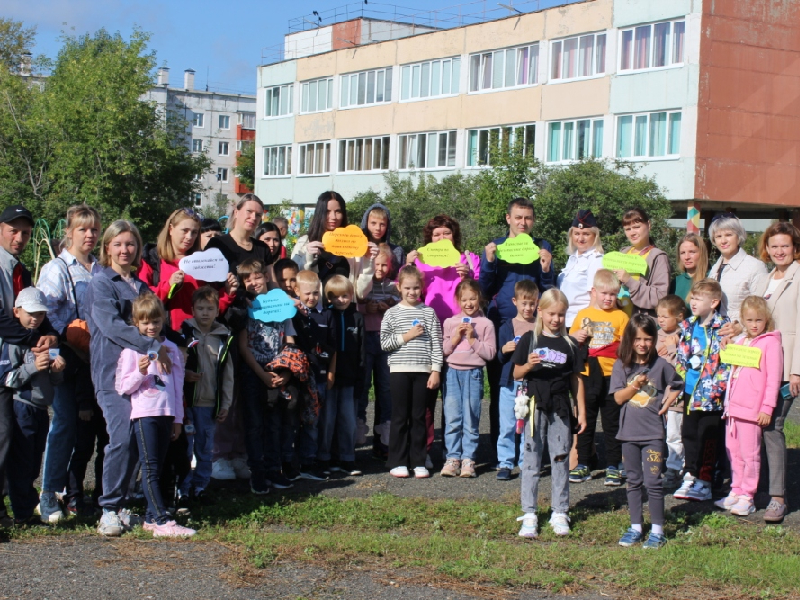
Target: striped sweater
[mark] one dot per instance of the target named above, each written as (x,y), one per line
(422,354)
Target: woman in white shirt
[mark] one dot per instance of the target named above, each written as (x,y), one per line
(585,258)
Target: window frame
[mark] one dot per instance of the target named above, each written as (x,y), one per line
(269,94)
(247,116)
(361,86)
(202,120)
(197,198)
(513,128)
(305,98)
(302,154)
(669,142)
(592,129)
(366,147)
(227,119)
(194,143)
(405,149)
(221,171)
(227,148)
(561,57)
(287,161)
(486,78)
(410,70)
(670,51)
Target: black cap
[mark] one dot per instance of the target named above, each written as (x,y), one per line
(16,211)
(584,220)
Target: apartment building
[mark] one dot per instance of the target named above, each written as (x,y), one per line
(700,94)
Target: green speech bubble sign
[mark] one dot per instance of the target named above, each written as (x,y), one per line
(440,254)
(518,250)
(741,356)
(632,263)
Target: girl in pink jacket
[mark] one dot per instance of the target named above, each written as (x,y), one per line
(752,396)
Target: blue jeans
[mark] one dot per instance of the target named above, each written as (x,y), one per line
(462,412)
(262,428)
(152,438)
(376,368)
(121,454)
(204,427)
(307,434)
(61,439)
(28,439)
(507,448)
(339,415)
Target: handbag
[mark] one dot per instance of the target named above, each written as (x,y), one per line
(76,332)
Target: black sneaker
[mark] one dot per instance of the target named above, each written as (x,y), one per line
(182,506)
(279,482)
(290,472)
(348,467)
(504,474)
(312,472)
(259,488)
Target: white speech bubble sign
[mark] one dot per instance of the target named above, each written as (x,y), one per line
(208,265)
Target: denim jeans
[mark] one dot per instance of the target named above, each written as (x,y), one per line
(25,457)
(509,451)
(121,455)
(338,415)
(152,438)
(376,369)
(553,430)
(61,438)
(307,434)
(462,412)
(262,428)
(204,427)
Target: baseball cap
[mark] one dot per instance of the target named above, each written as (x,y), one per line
(16,211)
(31,300)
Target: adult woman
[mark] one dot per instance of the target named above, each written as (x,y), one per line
(780,245)
(735,270)
(64,282)
(109,298)
(692,265)
(645,290)
(585,257)
(270,234)
(239,244)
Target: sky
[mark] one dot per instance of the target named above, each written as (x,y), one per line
(223,42)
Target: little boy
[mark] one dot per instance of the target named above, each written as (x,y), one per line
(377,294)
(259,343)
(208,385)
(285,270)
(599,328)
(339,411)
(705,382)
(671,311)
(526,299)
(377,226)
(33,376)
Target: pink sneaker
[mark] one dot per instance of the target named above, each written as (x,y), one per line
(172,529)
(151,527)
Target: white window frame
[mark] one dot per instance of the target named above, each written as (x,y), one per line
(283,105)
(426,147)
(224,119)
(634,119)
(195,143)
(481,62)
(243,117)
(305,95)
(482,136)
(223,146)
(671,51)
(281,157)
(595,149)
(197,198)
(222,171)
(350,162)
(428,77)
(198,120)
(557,57)
(319,166)
(352,82)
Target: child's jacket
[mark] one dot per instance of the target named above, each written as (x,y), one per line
(30,385)
(155,394)
(709,391)
(209,354)
(467,356)
(752,391)
(367,290)
(350,345)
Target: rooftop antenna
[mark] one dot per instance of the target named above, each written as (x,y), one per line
(207,77)
(511,8)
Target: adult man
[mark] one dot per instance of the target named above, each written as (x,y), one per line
(16,225)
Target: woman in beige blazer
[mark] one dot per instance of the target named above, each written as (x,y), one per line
(780,245)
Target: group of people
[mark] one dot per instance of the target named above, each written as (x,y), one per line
(175,381)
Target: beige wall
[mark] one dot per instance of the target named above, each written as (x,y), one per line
(594,15)
(576,99)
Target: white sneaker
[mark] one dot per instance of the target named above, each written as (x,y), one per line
(399,472)
(700,491)
(421,473)
(743,507)
(559,523)
(727,502)
(49,508)
(428,462)
(222,469)
(361,432)
(530,526)
(240,468)
(682,492)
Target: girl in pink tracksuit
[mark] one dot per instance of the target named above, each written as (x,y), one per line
(752,396)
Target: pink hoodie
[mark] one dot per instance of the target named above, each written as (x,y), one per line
(441,284)
(467,356)
(154,394)
(752,390)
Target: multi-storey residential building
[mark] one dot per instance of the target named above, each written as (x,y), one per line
(218,124)
(699,93)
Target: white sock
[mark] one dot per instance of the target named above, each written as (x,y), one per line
(659,529)
(637,528)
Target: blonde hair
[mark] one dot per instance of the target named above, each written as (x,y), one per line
(307,277)
(552,297)
(337,285)
(758,304)
(147,307)
(606,281)
(249,266)
(116,228)
(598,245)
(164,242)
(410,271)
(80,214)
(708,287)
(249,197)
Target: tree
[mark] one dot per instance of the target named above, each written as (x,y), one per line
(14,41)
(246,165)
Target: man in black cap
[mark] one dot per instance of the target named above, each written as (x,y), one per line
(16,226)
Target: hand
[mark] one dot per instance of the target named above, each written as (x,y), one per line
(177,278)
(372,250)
(491,251)
(164,361)
(58,365)
(300,306)
(794,384)
(416,331)
(85,415)
(623,276)
(731,330)
(533,359)
(666,403)
(222,415)
(433,381)
(384,306)
(763,419)
(509,347)
(458,332)
(639,381)
(331,380)
(314,248)
(176,431)
(662,351)
(192,376)
(42,360)
(724,340)
(545,259)
(47,341)
(580,335)
(462,270)
(371,307)
(231,284)
(144,364)
(411,257)
(282,378)
(581,423)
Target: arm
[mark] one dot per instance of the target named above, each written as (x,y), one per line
(57,291)
(485,345)
(227,385)
(146,274)
(772,366)
(447,341)
(21,375)
(487,278)
(435,333)
(177,383)
(646,294)
(506,336)
(547,278)
(129,377)
(576,384)
(390,339)
(363,286)
(109,323)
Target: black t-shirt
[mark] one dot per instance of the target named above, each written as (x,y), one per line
(236,255)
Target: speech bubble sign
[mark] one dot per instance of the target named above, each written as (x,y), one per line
(440,254)
(349,241)
(274,306)
(208,265)
(632,263)
(519,250)
(741,356)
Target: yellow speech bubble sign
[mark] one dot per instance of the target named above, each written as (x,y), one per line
(632,263)
(349,241)
(518,250)
(440,254)
(741,356)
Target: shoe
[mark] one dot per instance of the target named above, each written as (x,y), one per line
(423,473)
(655,541)
(727,502)
(623,474)
(452,468)
(700,491)
(630,538)
(49,509)
(129,519)
(240,468)
(31,521)
(361,432)
(530,526)
(504,474)
(743,507)
(399,472)
(6,522)
(468,468)
(428,462)
(149,527)
(279,482)
(348,467)
(259,488)
(182,507)
(290,472)
(775,512)
(671,479)
(682,493)
(172,529)
(613,478)
(312,472)
(222,469)
(580,474)
(110,524)
(559,523)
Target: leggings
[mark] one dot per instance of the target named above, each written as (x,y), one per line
(644,462)
(153,437)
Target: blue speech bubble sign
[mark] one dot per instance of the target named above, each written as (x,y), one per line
(274,306)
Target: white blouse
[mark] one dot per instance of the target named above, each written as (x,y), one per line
(577,279)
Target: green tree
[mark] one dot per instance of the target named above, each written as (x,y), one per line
(14,41)
(246,165)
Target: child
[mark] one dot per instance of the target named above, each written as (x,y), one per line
(285,275)
(265,408)
(316,336)
(602,324)
(751,398)
(469,343)
(33,375)
(526,298)
(156,409)
(671,311)
(705,381)
(208,386)
(638,382)
(549,362)
(412,335)
(339,411)
(377,226)
(377,294)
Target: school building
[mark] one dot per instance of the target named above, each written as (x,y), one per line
(704,95)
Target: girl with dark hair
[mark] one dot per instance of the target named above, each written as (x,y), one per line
(270,234)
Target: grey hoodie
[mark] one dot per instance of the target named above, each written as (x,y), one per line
(398,253)
(30,385)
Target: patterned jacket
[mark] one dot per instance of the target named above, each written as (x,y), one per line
(709,392)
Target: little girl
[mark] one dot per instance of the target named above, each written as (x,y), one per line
(639,381)
(469,343)
(752,396)
(547,360)
(412,335)
(156,408)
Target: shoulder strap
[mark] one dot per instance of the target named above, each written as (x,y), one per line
(72,285)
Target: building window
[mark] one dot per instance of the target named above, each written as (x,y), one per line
(364,154)
(197,198)
(247,120)
(576,57)
(197,121)
(500,69)
(366,88)
(427,150)
(652,46)
(575,140)
(224,122)
(279,101)
(277,161)
(430,79)
(317,95)
(223,148)
(649,135)
(197,145)
(222,174)
(243,145)
(479,141)
(315,158)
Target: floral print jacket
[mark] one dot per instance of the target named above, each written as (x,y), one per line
(709,393)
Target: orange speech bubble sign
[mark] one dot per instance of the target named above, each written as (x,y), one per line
(349,241)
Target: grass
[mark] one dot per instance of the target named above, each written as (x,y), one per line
(792,432)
